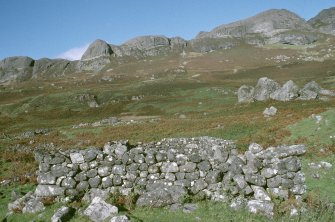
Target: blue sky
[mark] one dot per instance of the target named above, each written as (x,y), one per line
(64,28)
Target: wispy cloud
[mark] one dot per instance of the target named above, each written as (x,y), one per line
(74,53)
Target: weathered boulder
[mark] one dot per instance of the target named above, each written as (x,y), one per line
(264,88)
(287,92)
(97,49)
(99,210)
(29,203)
(245,94)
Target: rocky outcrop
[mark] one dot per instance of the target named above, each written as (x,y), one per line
(166,172)
(269,89)
(266,23)
(18,68)
(97,49)
(325,21)
(49,67)
(144,46)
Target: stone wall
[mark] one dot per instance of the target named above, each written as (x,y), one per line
(172,170)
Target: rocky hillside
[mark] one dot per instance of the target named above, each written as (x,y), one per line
(325,21)
(269,27)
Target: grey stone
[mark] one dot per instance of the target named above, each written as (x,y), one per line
(287,92)
(69,183)
(268,112)
(188,167)
(220,153)
(77,158)
(95,192)
(259,206)
(150,159)
(192,176)
(240,181)
(268,172)
(169,167)
(238,203)
(139,158)
(204,165)
(81,176)
(94,182)
(122,218)
(33,206)
(119,170)
(255,148)
(260,193)
(46,178)
(255,179)
(59,170)
(307,95)
(274,182)
(198,185)
(49,190)
(214,176)
(104,171)
(264,88)
(99,210)
(245,94)
(82,186)
(90,154)
(162,196)
(106,182)
(91,173)
(120,150)
(117,180)
(62,214)
(278,193)
(153,169)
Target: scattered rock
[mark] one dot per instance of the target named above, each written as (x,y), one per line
(99,210)
(268,112)
(122,218)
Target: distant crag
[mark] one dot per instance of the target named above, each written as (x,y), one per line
(269,27)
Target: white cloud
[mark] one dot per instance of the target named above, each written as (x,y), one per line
(74,53)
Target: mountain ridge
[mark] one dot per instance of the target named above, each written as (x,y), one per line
(268,27)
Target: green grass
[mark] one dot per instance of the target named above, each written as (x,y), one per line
(316,133)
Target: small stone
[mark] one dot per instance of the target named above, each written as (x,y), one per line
(94,182)
(77,158)
(122,218)
(169,167)
(82,186)
(189,208)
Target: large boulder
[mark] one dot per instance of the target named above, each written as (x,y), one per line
(97,49)
(264,88)
(287,92)
(245,94)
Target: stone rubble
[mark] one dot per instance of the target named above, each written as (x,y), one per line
(166,172)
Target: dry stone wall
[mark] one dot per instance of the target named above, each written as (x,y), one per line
(172,170)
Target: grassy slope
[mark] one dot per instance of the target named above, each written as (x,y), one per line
(205,94)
